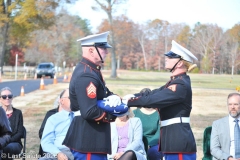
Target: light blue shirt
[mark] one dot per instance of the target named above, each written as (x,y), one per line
(55,131)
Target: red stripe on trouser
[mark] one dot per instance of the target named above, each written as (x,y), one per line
(180,156)
(88,156)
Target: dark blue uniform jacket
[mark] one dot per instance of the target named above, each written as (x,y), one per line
(172,100)
(89,132)
(5,129)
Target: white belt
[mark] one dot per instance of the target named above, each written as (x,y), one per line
(175,120)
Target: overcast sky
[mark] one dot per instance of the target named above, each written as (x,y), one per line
(224,13)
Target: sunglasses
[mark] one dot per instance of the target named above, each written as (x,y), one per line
(10,96)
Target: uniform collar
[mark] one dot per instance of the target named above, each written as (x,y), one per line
(178,75)
(91,64)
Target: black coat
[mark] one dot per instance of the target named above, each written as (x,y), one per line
(172,100)
(16,123)
(5,130)
(89,132)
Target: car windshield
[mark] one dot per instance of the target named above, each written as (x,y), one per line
(44,66)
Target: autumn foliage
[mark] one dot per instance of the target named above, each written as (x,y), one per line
(51,36)
(12,58)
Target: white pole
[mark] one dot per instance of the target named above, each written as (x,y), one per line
(64,64)
(16,66)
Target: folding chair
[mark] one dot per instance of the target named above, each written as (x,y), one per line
(206,143)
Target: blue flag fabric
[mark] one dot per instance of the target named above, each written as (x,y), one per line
(119,110)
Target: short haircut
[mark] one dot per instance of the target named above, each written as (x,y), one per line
(61,94)
(233,94)
(145,90)
(4,89)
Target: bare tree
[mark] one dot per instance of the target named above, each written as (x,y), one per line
(157,31)
(215,46)
(233,53)
(107,6)
(201,43)
(141,33)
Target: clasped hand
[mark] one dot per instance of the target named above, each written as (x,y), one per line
(113,100)
(126,98)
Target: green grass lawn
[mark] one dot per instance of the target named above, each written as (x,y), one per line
(160,78)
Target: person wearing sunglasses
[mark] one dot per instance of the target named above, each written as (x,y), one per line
(15,118)
(5,130)
(174,103)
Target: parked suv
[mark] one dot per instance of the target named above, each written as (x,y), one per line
(45,69)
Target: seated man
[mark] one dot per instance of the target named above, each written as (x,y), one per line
(57,108)
(225,135)
(5,130)
(55,131)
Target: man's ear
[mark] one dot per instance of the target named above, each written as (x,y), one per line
(60,101)
(180,63)
(91,51)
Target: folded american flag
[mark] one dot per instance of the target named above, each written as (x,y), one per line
(119,110)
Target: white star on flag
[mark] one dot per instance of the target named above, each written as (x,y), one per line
(115,111)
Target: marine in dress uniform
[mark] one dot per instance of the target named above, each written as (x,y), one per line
(174,103)
(89,135)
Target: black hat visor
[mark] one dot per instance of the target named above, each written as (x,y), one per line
(103,45)
(171,54)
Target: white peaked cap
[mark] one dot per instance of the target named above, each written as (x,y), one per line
(183,52)
(99,40)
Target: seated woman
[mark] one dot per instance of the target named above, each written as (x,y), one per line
(5,130)
(16,122)
(126,137)
(151,129)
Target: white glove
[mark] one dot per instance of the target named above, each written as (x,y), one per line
(113,100)
(126,98)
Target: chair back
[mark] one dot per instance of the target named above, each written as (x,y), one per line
(24,137)
(206,143)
